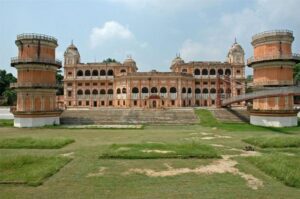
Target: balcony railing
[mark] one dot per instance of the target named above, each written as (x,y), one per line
(163,95)
(145,95)
(17,60)
(173,95)
(33,85)
(294,56)
(36,36)
(273,82)
(134,96)
(272,32)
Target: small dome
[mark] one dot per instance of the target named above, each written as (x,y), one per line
(236,48)
(129,60)
(177,60)
(72,49)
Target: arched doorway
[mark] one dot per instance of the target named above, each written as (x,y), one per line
(154,104)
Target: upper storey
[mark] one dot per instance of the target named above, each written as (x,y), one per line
(36,49)
(273,45)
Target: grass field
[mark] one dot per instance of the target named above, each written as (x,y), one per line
(274,142)
(32,143)
(231,176)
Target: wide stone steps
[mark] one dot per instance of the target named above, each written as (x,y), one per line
(129,116)
(231,115)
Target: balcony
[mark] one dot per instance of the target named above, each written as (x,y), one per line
(17,60)
(32,85)
(292,57)
(173,95)
(36,36)
(163,95)
(145,95)
(134,96)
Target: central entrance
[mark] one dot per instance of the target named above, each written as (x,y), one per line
(154,101)
(154,104)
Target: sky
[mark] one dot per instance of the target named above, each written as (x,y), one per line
(152,32)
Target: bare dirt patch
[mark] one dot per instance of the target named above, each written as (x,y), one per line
(156,151)
(217,145)
(224,165)
(70,154)
(99,173)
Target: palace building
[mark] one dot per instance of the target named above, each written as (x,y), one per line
(119,85)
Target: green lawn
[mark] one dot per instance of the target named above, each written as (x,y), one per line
(159,150)
(31,170)
(33,143)
(6,123)
(88,176)
(274,142)
(280,166)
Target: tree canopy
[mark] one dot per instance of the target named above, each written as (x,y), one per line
(5,90)
(297,73)
(110,60)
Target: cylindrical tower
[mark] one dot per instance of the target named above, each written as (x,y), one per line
(272,65)
(36,84)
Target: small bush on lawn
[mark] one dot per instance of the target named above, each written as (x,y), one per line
(33,143)
(282,167)
(153,150)
(31,170)
(274,142)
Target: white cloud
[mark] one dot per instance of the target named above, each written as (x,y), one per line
(111,30)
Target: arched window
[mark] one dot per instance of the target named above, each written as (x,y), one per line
(213,90)
(184,70)
(79,92)
(228,90)
(118,91)
(145,90)
(110,91)
(204,72)
(110,72)
(163,90)
(183,90)
(79,73)
(220,72)
(95,73)
(124,90)
(87,73)
(228,72)
(87,92)
(95,92)
(102,73)
(189,90)
(153,90)
(221,90)
(102,92)
(212,72)
(205,90)
(196,71)
(135,90)
(123,71)
(197,90)
(173,90)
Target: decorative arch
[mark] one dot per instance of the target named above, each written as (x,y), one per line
(79,73)
(183,90)
(220,72)
(163,90)
(204,72)
(118,91)
(213,90)
(102,92)
(145,90)
(212,72)
(102,73)
(135,90)
(184,70)
(228,72)
(205,90)
(79,92)
(153,90)
(123,71)
(110,91)
(87,92)
(95,92)
(123,90)
(197,90)
(189,90)
(110,72)
(87,73)
(196,71)
(173,90)
(95,73)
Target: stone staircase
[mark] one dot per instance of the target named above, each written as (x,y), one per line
(129,116)
(238,115)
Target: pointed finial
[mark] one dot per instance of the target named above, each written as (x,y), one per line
(235,40)
(72,42)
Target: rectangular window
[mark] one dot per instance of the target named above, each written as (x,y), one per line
(79,84)
(79,103)
(173,102)
(95,103)
(212,83)
(95,84)
(205,83)
(118,103)
(87,103)
(135,103)
(69,84)
(197,83)
(145,103)
(102,103)
(69,73)
(87,84)
(110,103)
(103,84)
(162,102)
(213,102)
(110,84)
(70,103)
(123,102)
(69,93)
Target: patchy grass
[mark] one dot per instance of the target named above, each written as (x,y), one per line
(282,167)
(31,170)
(208,120)
(6,123)
(154,151)
(274,142)
(33,143)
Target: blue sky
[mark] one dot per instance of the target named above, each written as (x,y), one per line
(151,31)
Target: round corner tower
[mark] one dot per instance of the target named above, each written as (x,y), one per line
(273,64)
(36,85)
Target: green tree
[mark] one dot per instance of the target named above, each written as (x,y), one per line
(297,73)
(59,82)
(5,90)
(109,60)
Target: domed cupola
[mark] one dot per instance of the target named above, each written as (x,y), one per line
(129,61)
(236,54)
(177,60)
(72,55)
